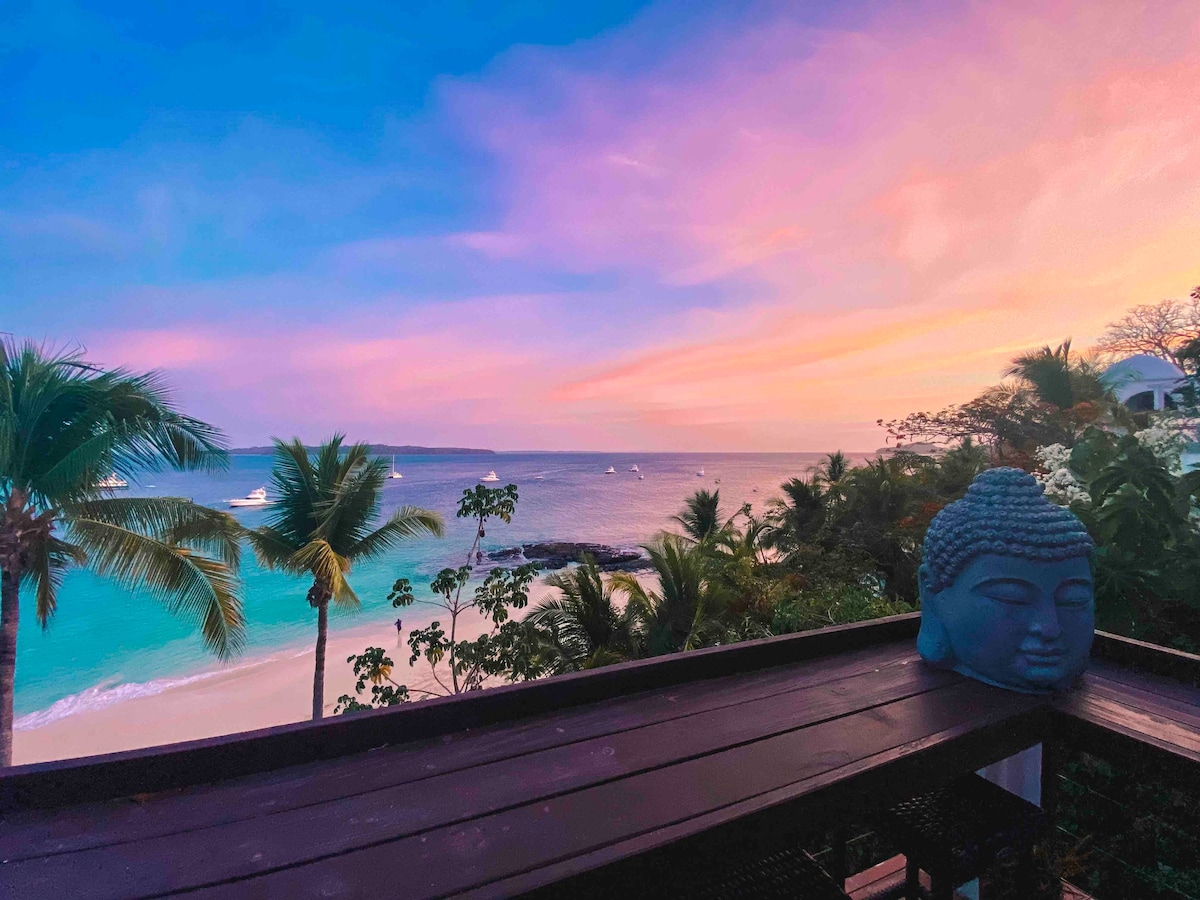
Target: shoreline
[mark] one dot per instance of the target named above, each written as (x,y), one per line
(275,689)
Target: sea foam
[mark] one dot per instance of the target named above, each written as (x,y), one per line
(110,692)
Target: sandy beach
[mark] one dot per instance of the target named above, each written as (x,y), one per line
(255,693)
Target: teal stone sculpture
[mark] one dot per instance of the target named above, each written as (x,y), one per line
(1006,587)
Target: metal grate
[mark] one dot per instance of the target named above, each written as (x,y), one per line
(789,873)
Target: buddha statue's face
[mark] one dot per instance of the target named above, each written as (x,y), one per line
(1015,622)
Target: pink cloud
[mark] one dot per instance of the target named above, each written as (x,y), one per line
(919,185)
(862,220)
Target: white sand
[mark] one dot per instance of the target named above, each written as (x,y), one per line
(254,694)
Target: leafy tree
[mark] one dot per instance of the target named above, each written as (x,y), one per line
(375,666)
(1054,397)
(583,627)
(65,425)
(958,467)
(889,505)
(509,649)
(323,522)
(1147,562)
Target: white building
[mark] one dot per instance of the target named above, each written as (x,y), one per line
(1144,382)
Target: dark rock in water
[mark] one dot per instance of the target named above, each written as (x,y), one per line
(559,554)
(510,553)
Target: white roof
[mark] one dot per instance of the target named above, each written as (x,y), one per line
(1143,372)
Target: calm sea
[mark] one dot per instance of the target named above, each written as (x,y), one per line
(106,644)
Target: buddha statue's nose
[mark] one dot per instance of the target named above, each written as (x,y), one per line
(1045,623)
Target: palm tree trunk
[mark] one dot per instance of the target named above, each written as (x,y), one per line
(9,585)
(319,671)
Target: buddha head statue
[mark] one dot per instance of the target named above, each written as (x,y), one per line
(1006,586)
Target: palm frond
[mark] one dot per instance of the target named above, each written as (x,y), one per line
(50,562)
(406,522)
(328,567)
(200,589)
(174,520)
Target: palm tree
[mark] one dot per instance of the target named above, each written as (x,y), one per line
(686,610)
(321,525)
(834,468)
(799,516)
(1071,386)
(701,517)
(583,628)
(65,426)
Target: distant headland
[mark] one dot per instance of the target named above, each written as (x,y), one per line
(381,450)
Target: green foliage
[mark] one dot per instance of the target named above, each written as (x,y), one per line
(583,627)
(372,666)
(832,604)
(325,517)
(1142,518)
(1129,824)
(65,425)
(1053,397)
(483,503)
(508,649)
(324,520)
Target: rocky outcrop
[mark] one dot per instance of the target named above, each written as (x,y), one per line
(559,554)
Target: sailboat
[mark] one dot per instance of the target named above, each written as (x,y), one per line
(700,474)
(394,473)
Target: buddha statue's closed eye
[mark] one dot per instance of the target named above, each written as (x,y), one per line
(1006,587)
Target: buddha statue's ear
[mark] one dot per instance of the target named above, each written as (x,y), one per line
(933,642)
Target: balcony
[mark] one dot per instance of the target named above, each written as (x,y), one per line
(620,776)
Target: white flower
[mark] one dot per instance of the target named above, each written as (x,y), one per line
(1056,477)
(1166,438)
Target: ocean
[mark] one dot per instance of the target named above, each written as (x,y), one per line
(106,645)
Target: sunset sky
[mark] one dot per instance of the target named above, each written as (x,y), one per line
(561,225)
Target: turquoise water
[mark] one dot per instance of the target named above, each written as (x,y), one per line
(105,643)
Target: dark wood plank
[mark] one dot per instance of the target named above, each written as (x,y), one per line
(175,766)
(1181,668)
(30,833)
(208,855)
(1187,714)
(1145,727)
(1186,695)
(787,816)
(472,854)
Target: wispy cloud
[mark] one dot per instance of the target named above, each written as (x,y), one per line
(765,234)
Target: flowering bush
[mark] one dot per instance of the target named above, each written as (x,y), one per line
(1166,438)
(1056,477)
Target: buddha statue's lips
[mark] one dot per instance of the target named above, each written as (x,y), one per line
(1044,654)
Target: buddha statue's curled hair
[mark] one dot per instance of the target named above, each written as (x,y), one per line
(1004,511)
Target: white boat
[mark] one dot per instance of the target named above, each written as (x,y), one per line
(633,468)
(490,476)
(641,478)
(112,482)
(394,473)
(700,474)
(610,471)
(257,497)
(538,477)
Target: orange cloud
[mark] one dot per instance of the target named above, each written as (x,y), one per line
(904,202)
